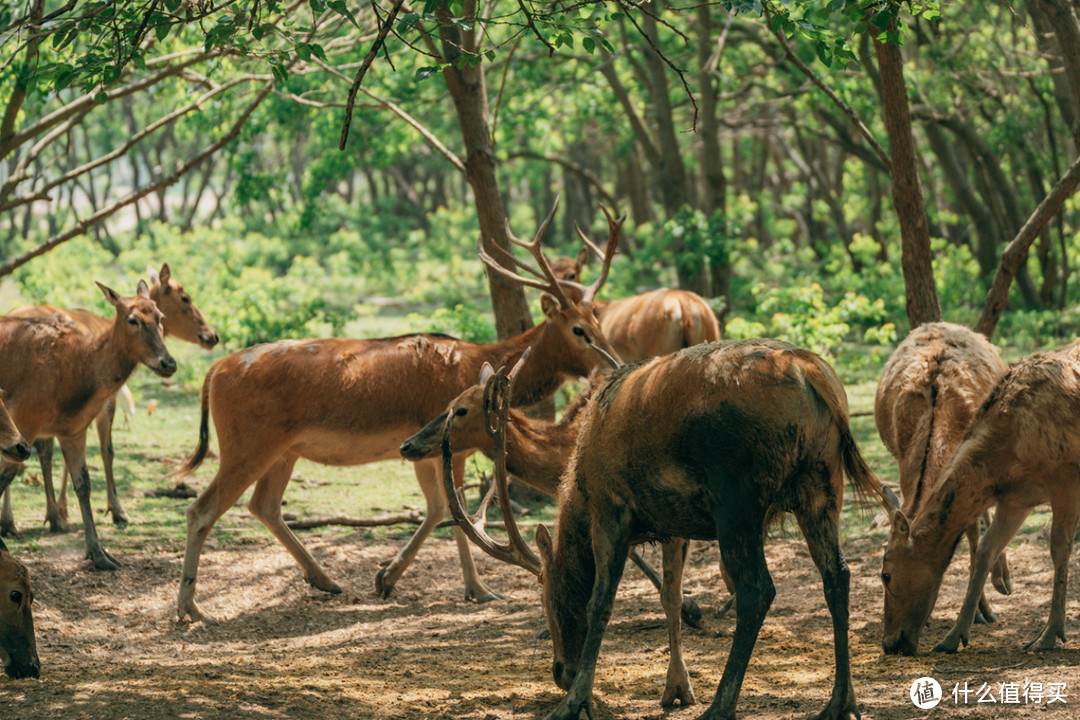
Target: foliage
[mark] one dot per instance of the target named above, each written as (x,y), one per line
(460,321)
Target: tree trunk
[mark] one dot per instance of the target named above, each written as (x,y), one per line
(920,292)
(465,81)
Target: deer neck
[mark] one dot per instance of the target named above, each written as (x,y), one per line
(538,451)
(542,373)
(951,507)
(573,560)
(112,363)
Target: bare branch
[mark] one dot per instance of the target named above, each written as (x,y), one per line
(387,25)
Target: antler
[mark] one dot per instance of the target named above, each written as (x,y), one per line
(497,395)
(608,254)
(552,284)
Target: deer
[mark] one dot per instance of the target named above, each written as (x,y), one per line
(181,320)
(18,648)
(710,443)
(59,375)
(1021,450)
(350,402)
(541,449)
(930,389)
(653,323)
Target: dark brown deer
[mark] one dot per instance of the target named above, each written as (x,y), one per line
(351,402)
(58,377)
(18,648)
(181,320)
(538,455)
(1021,450)
(930,389)
(653,323)
(710,443)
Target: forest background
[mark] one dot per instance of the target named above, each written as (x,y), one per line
(746,141)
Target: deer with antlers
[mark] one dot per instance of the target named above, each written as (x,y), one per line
(181,319)
(710,443)
(1021,450)
(653,323)
(58,376)
(351,402)
(930,389)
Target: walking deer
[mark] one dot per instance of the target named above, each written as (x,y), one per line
(929,391)
(538,449)
(181,320)
(653,323)
(18,648)
(352,402)
(58,376)
(1021,450)
(710,443)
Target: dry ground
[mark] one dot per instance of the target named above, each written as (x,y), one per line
(111,647)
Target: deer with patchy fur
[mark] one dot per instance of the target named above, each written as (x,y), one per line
(930,389)
(1021,450)
(58,376)
(181,320)
(18,648)
(351,402)
(710,443)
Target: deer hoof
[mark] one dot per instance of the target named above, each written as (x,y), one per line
(321,582)
(57,525)
(119,517)
(102,560)
(382,587)
(8,530)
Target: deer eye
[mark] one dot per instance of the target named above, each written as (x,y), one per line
(886,577)
(461,411)
(571,276)
(186,300)
(132,321)
(578,331)
(16,597)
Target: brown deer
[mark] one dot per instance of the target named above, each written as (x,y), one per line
(930,389)
(710,443)
(58,376)
(18,649)
(540,449)
(653,323)
(352,402)
(1021,450)
(181,320)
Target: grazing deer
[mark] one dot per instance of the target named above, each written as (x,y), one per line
(710,443)
(181,319)
(539,454)
(352,402)
(653,323)
(18,649)
(1021,450)
(58,376)
(929,391)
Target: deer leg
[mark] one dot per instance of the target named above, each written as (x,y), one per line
(7,519)
(729,604)
(56,519)
(74,449)
(611,545)
(265,504)
(985,614)
(819,520)
(677,686)
(1065,506)
(232,479)
(1000,576)
(104,422)
(691,612)
(1007,520)
(740,535)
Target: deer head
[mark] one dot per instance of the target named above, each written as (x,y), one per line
(182,319)
(18,648)
(138,329)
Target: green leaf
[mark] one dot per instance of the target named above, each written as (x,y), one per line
(111,75)
(172,5)
(589,44)
(303,52)
(317,6)
(342,9)
(101,97)
(63,78)
(162,31)
(425,72)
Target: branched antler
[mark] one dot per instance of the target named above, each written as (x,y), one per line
(606,255)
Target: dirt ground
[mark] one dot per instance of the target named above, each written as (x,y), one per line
(111,647)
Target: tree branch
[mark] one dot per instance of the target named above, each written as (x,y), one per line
(387,25)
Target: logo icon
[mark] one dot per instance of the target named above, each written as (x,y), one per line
(925,693)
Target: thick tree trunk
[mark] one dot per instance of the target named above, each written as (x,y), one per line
(468,90)
(920,292)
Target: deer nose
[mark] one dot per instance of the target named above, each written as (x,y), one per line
(22,450)
(167,366)
(209,339)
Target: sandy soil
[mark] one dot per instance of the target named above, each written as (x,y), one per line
(111,647)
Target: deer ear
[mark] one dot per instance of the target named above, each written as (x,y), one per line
(155,279)
(165,275)
(582,258)
(144,290)
(550,306)
(486,371)
(901,528)
(111,295)
(545,544)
